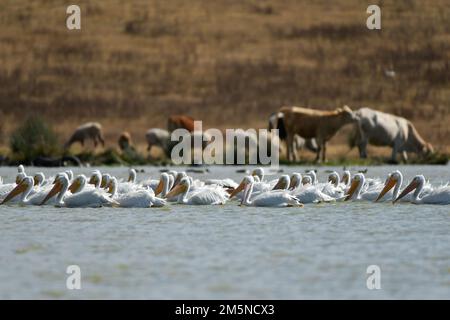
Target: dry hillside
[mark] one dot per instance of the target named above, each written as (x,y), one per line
(228,62)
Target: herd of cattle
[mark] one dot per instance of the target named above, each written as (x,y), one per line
(298,128)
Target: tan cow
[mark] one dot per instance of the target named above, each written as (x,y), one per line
(311,123)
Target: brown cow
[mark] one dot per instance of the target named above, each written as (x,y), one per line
(180,122)
(125,140)
(311,123)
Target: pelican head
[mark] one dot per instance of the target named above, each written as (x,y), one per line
(246,181)
(283,183)
(416,183)
(355,187)
(39,179)
(20,177)
(313,176)
(96,178)
(112,186)
(132,175)
(105,180)
(78,183)
(392,180)
(181,188)
(179,177)
(69,174)
(163,183)
(296,180)
(24,187)
(333,178)
(306,180)
(346,177)
(61,184)
(20,169)
(258,172)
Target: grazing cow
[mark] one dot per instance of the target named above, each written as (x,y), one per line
(384,129)
(90,130)
(180,122)
(160,138)
(276,121)
(125,141)
(311,123)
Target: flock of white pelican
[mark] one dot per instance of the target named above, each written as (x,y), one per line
(99,190)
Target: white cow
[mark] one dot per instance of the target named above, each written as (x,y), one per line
(384,129)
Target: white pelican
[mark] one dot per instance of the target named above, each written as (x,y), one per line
(7,187)
(211,195)
(87,198)
(283,183)
(346,178)
(24,188)
(141,198)
(439,195)
(96,178)
(308,193)
(395,179)
(258,187)
(106,178)
(359,190)
(30,196)
(274,198)
(163,186)
(334,188)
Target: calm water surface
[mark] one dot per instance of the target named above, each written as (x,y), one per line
(228,252)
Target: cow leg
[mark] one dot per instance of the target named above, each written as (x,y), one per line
(100,138)
(289,147)
(294,149)
(324,152)
(405,156)
(95,142)
(362,146)
(319,150)
(394,153)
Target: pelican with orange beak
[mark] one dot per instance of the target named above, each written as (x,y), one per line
(88,198)
(28,195)
(283,183)
(439,195)
(394,179)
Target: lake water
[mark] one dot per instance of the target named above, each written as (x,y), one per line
(228,252)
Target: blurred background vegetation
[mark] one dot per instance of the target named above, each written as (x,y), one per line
(229,63)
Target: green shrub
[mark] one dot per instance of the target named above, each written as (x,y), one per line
(32,139)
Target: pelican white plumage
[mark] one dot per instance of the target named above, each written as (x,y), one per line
(439,195)
(359,190)
(334,188)
(91,198)
(138,198)
(6,188)
(395,180)
(272,198)
(30,196)
(24,188)
(207,195)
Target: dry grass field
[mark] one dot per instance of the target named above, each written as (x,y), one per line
(229,63)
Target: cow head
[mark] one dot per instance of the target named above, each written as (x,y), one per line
(347,113)
(427,149)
